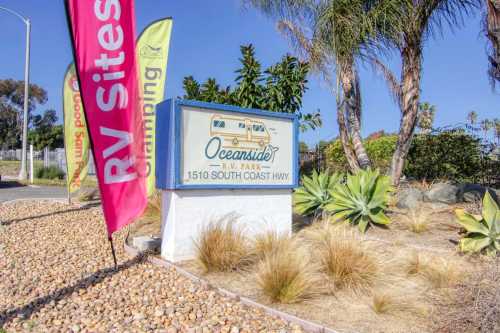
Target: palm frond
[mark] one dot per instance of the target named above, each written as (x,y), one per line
(391,80)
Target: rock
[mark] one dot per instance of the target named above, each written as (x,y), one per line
(409,198)
(75,328)
(443,193)
(146,243)
(475,192)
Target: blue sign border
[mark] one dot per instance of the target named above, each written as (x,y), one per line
(169,143)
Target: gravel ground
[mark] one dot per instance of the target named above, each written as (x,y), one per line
(56,275)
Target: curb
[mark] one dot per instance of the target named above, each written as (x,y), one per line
(308,326)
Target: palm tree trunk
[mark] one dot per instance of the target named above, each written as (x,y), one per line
(493,34)
(352,161)
(410,94)
(352,108)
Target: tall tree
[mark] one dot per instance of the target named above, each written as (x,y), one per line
(279,88)
(493,34)
(45,132)
(421,19)
(333,35)
(248,92)
(11,109)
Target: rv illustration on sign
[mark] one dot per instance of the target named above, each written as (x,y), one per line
(239,132)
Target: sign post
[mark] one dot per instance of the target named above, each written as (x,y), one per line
(214,160)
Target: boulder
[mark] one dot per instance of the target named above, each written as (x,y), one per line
(475,192)
(410,198)
(443,193)
(146,243)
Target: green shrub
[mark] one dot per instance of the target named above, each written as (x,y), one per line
(362,200)
(314,194)
(379,149)
(51,172)
(483,232)
(451,154)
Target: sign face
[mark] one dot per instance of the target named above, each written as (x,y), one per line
(233,148)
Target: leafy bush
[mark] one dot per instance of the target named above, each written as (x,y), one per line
(483,233)
(451,154)
(362,200)
(315,192)
(378,148)
(51,172)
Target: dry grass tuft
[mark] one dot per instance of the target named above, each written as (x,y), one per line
(89,195)
(269,242)
(153,209)
(414,264)
(417,220)
(442,273)
(286,275)
(439,272)
(343,256)
(397,301)
(383,303)
(221,246)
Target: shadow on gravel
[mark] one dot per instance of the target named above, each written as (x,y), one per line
(34,306)
(87,206)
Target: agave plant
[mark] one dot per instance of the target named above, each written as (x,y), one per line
(483,232)
(315,193)
(362,200)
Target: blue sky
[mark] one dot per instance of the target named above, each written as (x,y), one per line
(205,43)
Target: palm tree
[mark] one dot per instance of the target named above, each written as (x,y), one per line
(340,32)
(472,117)
(422,18)
(486,126)
(493,34)
(426,117)
(496,122)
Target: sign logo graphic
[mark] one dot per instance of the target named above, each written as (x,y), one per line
(151,52)
(73,83)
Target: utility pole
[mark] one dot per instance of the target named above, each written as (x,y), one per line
(22,172)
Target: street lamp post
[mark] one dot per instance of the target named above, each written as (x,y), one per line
(22,172)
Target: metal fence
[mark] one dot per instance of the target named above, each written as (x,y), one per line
(44,158)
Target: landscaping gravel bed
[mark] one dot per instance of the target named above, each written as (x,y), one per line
(56,275)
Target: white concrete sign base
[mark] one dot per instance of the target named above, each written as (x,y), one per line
(186,212)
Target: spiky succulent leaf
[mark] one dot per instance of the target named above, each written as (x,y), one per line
(490,210)
(483,232)
(470,223)
(314,194)
(362,200)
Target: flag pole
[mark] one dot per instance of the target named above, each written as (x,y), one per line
(110,238)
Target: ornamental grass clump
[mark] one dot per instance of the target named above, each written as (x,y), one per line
(268,242)
(483,232)
(315,193)
(285,274)
(362,200)
(343,257)
(438,272)
(222,246)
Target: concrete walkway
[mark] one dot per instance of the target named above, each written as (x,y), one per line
(12,190)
